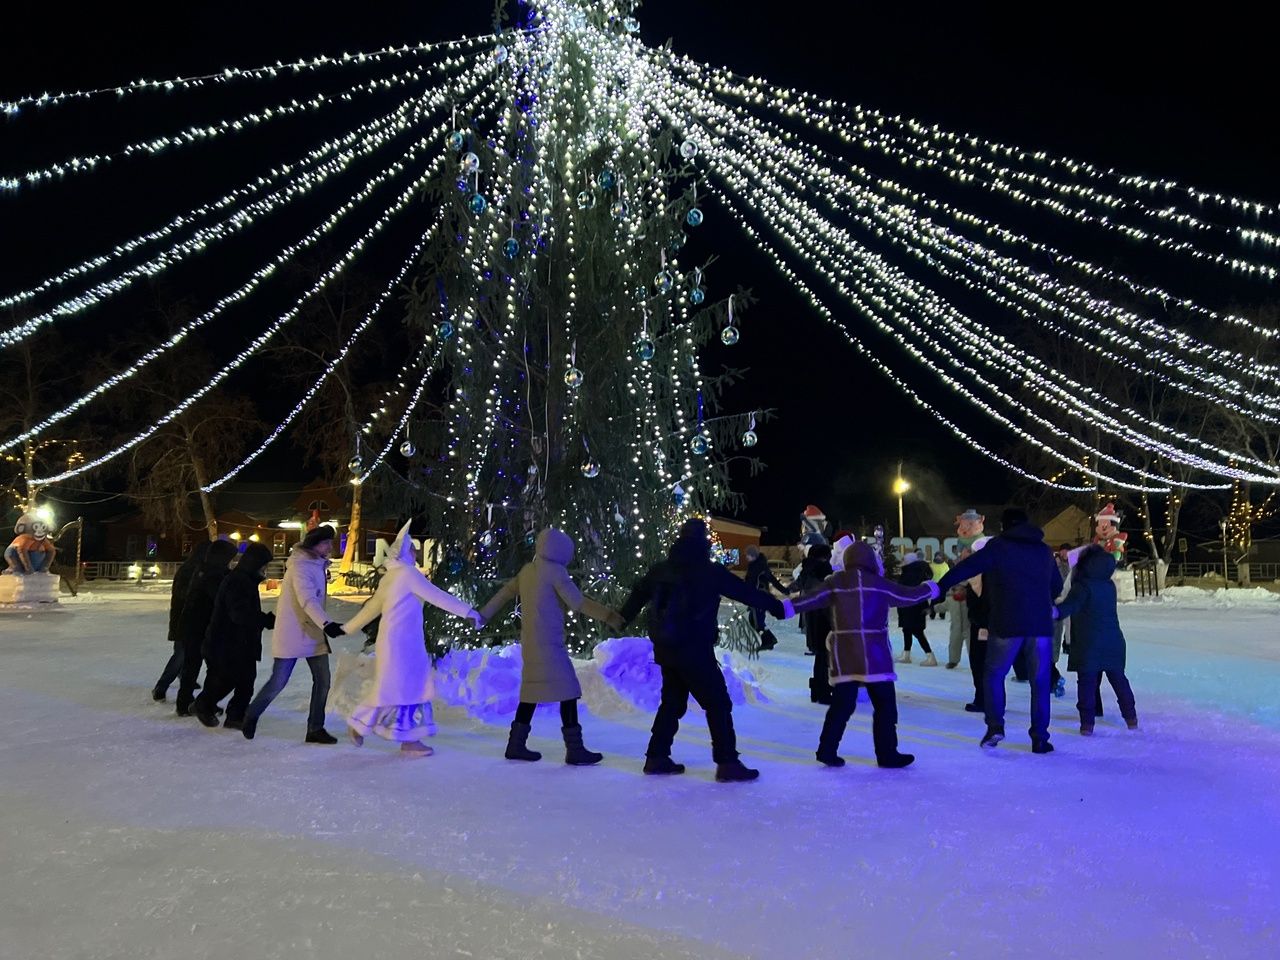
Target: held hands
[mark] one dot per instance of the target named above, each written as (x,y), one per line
(271,619)
(788,610)
(333,630)
(477,621)
(615,622)
(1056,614)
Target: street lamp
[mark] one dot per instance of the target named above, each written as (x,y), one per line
(1222,525)
(900,487)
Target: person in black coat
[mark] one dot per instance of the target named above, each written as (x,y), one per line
(911,620)
(1097,642)
(817,623)
(197,609)
(760,575)
(1021,581)
(233,642)
(683,594)
(178,597)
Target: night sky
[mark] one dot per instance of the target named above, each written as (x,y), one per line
(1153,94)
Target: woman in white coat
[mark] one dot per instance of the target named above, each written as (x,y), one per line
(398,708)
(302,630)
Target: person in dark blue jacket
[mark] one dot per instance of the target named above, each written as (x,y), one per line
(1020,580)
(683,595)
(1097,643)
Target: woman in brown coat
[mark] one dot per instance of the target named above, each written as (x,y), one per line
(545,590)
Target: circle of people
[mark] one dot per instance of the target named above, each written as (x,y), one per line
(1011,586)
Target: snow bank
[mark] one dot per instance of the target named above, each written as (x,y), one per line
(621,677)
(1219,599)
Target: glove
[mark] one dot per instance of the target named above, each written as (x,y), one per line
(271,620)
(333,630)
(788,610)
(1056,614)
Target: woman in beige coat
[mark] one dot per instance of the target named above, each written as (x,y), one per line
(545,590)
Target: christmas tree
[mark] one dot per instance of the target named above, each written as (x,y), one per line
(561,326)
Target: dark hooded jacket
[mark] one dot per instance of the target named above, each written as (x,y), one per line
(235,629)
(181,584)
(683,594)
(197,608)
(813,571)
(760,575)
(1097,642)
(913,574)
(1020,580)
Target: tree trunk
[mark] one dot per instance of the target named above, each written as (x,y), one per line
(206,501)
(351,553)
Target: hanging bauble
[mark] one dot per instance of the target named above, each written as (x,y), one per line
(663,281)
(729,336)
(607,180)
(444,330)
(694,217)
(591,469)
(700,444)
(645,348)
(689,149)
(631,25)
(499,54)
(586,200)
(354,465)
(470,163)
(678,241)
(511,248)
(530,537)
(478,203)
(678,495)
(697,295)
(453,565)
(456,140)
(462,185)
(619,209)
(573,378)
(486,539)
(407,449)
(642,294)
(749,439)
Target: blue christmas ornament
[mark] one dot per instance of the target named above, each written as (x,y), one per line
(445,330)
(678,495)
(530,538)
(693,217)
(478,203)
(607,180)
(678,241)
(462,185)
(619,209)
(591,469)
(407,449)
(663,281)
(586,200)
(729,336)
(689,149)
(456,140)
(470,163)
(511,248)
(454,565)
(645,348)
(749,439)
(697,295)
(701,444)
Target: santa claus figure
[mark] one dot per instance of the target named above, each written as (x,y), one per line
(1107,533)
(969,527)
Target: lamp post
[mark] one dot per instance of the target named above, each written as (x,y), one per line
(900,487)
(1222,525)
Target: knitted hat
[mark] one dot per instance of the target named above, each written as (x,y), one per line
(319,535)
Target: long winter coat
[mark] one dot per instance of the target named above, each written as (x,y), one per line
(1097,643)
(817,623)
(860,597)
(1020,580)
(197,608)
(683,596)
(546,590)
(402,666)
(235,629)
(182,585)
(913,618)
(760,575)
(300,614)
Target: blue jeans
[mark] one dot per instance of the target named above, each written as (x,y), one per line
(281,670)
(39,561)
(171,669)
(1001,652)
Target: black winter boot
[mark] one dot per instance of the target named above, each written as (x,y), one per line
(662,765)
(320,736)
(895,761)
(828,756)
(734,772)
(516,749)
(992,737)
(575,754)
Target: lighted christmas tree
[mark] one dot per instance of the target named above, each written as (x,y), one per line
(562,325)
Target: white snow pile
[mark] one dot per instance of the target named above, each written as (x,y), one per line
(621,677)
(1221,598)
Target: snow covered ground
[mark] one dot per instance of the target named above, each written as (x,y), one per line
(128,832)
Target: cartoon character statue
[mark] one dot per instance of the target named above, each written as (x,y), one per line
(1107,533)
(969,527)
(31,550)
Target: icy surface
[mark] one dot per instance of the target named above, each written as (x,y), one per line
(128,832)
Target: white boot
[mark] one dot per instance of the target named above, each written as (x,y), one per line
(904,657)
(929,661)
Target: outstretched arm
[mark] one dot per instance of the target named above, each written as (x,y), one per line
(499,600)
(968,568)
(741,591)
(427,591)
(371,610)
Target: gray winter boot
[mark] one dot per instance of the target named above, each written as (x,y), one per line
(575,754)
(516,749)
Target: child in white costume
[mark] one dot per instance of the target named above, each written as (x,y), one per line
(398,708)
